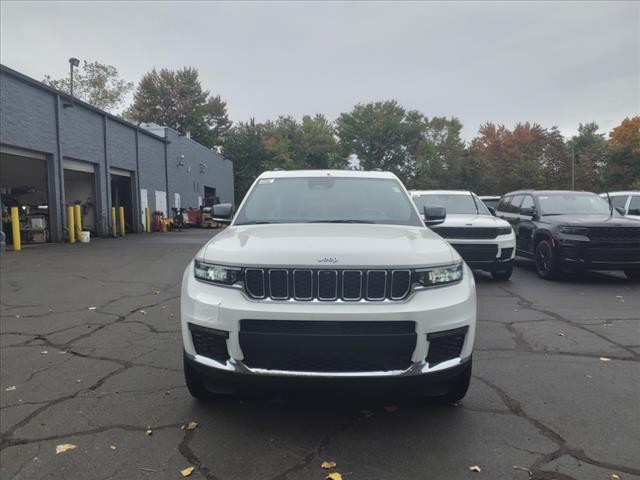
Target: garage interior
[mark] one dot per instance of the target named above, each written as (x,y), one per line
(80,189)
(23,184)
(122,195)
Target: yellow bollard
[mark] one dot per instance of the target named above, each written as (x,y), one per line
(77,217)
(15,229)
(72,227)
(113,222)
(147,218)
(122,232)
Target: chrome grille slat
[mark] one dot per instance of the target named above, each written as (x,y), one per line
(326,285)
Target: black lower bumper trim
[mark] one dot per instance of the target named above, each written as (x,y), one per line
(429,384)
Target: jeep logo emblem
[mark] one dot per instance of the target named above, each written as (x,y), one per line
(328,260)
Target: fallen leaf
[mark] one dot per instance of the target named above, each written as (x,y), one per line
(333,476)
(92,308)
(475,468)
(189,425)
(143,312)
(171,315)
(561,334)
(605,359)
(10,388)
(112,447)
(615,477)
(391,408)
(64,447)
(157,292)
(17,316)
(328,465)
(149,431)
(44,352)
(185,472)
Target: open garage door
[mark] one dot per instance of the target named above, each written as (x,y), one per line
(122,195)
(23,184)
(80,189)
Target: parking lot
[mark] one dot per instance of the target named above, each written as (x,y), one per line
(91,357)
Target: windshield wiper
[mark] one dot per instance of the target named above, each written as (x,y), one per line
(341,221)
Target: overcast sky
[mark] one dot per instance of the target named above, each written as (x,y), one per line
(552,63)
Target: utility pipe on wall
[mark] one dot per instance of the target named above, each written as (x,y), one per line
(15,229)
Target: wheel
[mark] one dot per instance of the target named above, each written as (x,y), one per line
(194,382)
(633,274)
(547,264)
(503,275)
(459,389)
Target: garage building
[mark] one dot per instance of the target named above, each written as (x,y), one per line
(56,151)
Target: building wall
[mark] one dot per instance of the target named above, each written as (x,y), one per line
(34,117)
(190,178)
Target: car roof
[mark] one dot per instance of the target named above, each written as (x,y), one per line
(439,192)
(548,192)
(490,197)
(620,193)
(326,173)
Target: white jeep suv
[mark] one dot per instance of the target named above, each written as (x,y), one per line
(484,241)
(328,277)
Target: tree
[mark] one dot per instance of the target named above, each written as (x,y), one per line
(244,145)
(590,151)
(95,83)
(380,134)
(623,169)
(176,99)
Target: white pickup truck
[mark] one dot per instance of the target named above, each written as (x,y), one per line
(328,277)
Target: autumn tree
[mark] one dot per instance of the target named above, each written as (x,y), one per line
(97,84)
(176,99)
(623,168)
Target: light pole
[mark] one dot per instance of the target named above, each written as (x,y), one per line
(73,62)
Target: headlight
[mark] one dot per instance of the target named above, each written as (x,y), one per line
(504,230)
(573,230)
(440,275)
(216,273)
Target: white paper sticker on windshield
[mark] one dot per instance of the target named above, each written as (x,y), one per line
(266,180)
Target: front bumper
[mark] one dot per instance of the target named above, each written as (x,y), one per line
(492,254)
(584,255)
(432,311)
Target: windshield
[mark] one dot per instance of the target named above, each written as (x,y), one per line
(462,204)
(573,204)
(328,199)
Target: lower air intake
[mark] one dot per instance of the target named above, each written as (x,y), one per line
(209,342)
(445,345)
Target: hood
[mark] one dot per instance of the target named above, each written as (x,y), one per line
(590,221)
(475,220)
(325,245)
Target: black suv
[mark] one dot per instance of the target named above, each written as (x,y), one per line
(566,230)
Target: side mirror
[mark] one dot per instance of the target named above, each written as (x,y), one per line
(222,213)
(621,211)
(529,212)
(492,211)
(433,215)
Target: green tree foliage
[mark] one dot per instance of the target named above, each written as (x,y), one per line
(590,150)
(95,83)
(176,99)
(244,145)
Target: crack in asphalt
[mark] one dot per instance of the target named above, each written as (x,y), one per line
(563,448)
(530,305)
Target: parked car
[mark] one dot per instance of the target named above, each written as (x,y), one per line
(491,201)
(627,203)
(482,240)
(328,276)
(567,230)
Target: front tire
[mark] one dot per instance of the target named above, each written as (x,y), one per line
(503,275)
(633,275)
(459,389)
(195,384)
(547,263)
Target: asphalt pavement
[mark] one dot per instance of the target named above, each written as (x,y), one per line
(91,364)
